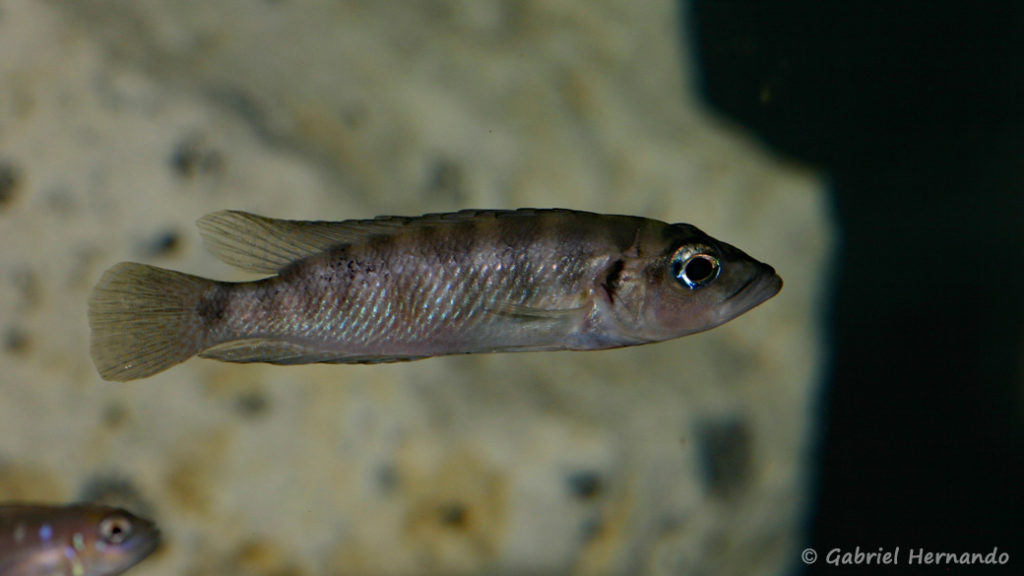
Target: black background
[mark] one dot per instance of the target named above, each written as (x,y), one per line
(915,111)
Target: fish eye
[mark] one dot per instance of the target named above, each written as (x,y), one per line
(115,529)
(694,266)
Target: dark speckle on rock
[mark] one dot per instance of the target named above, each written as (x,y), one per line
(164,243)
(194,156)
(115,490)
(246,108)
(29,288)
(448,178)
(115,415)
(387,477)
(585,485)
(252,403)
(16,341)
(10,179)
(454,515)
(726,455)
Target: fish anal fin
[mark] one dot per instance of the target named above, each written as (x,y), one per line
(266,350)
(272,351)
(373,359)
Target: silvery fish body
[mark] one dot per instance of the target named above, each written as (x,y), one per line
(78,540)
(395,288)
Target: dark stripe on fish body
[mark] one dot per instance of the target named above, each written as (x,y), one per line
(611,281)
(463,249)
(269,300)
(213,305)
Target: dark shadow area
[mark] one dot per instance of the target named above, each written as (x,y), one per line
(916,113)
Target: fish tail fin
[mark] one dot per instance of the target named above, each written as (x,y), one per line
(144,320)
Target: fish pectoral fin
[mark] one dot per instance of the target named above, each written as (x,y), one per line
(532,313)
(267,350)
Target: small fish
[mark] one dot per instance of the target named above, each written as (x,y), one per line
(396,288)
(76,540)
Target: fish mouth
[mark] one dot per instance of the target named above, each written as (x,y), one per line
(759,287)
(150,540)
(741,288)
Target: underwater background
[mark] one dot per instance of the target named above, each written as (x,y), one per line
(914,111)
(872,156)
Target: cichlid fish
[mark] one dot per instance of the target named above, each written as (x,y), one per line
(395,288)
(77,540)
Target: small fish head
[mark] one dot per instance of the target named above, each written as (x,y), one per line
(696,283)
(111,540)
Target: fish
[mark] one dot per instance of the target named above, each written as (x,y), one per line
(396,288)
(72,540)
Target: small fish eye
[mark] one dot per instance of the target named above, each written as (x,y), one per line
(694,269)
(115,529)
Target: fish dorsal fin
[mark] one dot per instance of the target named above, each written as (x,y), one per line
(267,245)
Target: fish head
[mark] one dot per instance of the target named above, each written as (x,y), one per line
(112,540)
(686,282)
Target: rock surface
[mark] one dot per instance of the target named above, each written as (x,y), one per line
(123,121)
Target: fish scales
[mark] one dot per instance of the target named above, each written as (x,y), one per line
(397,288)
(440,284)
